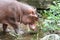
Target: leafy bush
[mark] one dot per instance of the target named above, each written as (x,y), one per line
(51,18)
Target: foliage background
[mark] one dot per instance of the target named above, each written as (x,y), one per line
(49,10)
(49,20)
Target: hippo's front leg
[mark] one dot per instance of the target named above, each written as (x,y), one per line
(15,26)
(11,21)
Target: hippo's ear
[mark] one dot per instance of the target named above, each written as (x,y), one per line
(34,8)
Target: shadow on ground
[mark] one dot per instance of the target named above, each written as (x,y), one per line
(6,36)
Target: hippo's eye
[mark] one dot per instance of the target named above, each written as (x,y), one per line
(32,13)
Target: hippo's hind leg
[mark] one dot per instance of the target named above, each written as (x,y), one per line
(4,27)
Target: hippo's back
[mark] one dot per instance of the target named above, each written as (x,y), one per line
(5,8)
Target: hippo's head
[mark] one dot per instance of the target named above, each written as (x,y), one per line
(30,17)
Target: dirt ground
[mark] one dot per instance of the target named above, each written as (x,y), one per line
(9,36)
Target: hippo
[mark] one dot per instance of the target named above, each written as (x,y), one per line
(12,11)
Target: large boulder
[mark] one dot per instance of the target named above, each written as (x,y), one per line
(51,37)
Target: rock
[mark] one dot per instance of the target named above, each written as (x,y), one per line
(51,37)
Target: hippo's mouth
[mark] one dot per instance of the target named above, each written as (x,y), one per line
(33,27)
